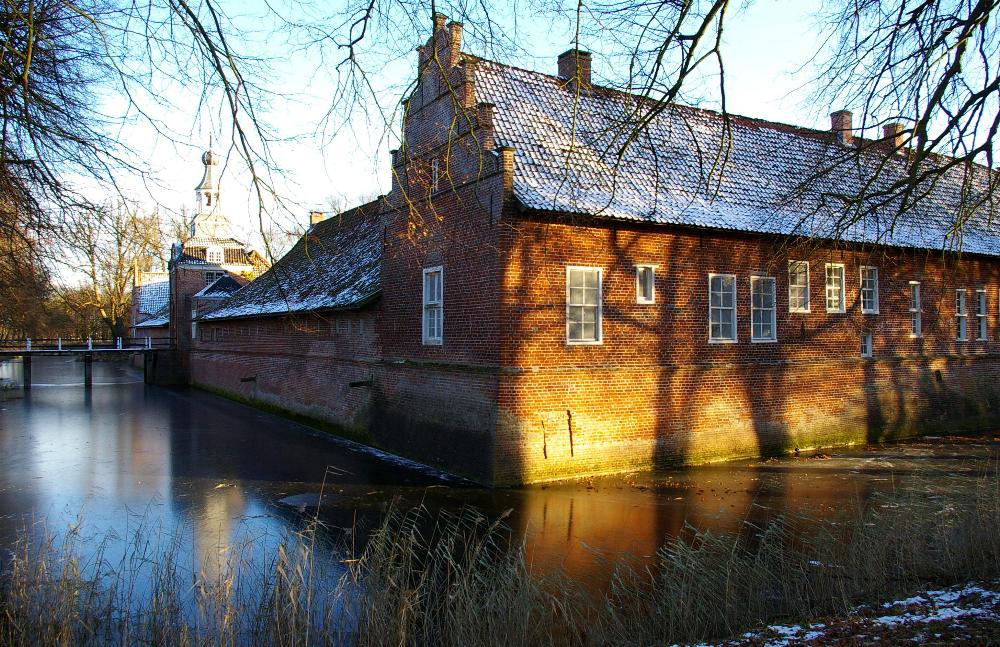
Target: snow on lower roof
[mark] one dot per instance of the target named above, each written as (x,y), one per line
(334,265)
(682,170)
(153,293)
(219,288)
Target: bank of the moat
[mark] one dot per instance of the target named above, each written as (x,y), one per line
(212,470)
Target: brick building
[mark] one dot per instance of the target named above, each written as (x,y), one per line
(526,305)
(211,263)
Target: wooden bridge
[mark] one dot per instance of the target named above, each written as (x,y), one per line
(85,348)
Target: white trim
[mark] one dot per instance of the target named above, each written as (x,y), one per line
(430,305)
(435,175)
(861,290)
(917,331)
(962,315)
(982,325)
(808,307)
(867,344)
(638,284)
(599,316)
(843,288)
(736,334)
(218,252)
(774,309)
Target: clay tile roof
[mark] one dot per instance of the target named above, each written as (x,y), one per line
(335,265)
(566,161)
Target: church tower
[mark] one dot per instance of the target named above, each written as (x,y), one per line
(209,222)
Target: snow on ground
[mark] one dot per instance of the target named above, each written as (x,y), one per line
(966,614)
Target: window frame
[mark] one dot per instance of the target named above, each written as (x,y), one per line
(435,174)
(429,305)
(861,292)
(917,313)
(982,327)
(961,315)
(774,309)
(808,306)
(599,313)
(216,274)
(843,288)
(736,334)
(652,283)
(218,252)
(867,344)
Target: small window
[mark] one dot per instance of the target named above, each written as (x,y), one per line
(435,174)
(583,305)
(433,318)
(916,325)
(981,315)
(194,324)
(961,316)
(798,286)
(762,309)
(212,276)
(645,292)
(721,308)
(866,344)
(834,287)
(215,255)
(869,290)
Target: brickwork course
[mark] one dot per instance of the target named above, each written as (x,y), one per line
(500,190)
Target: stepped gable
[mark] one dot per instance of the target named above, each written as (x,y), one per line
(335,265)
(566,160)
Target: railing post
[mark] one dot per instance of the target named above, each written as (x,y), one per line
(88,371)
(59,344)
(118,345)
(149,342)
(27,346)
(90,343)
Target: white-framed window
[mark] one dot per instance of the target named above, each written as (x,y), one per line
(835,287)
(798,286)
(869,290)
(194,324)
(583,305)
(645,287)
(916,325)
(762,309)
(433,313)
(866,344)
(215,255)
(435,174)
(981,315)
(211,276)
(961,316)
(721,308)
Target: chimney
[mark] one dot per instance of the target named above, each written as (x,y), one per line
(316,217)
(574,65)
(840,123)
(892,135)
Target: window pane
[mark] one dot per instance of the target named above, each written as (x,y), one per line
(590,278)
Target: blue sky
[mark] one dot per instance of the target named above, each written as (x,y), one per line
(765,47)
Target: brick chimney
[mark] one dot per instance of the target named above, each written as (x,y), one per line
(893,136)
(574,66)
(840,123)
(316,217)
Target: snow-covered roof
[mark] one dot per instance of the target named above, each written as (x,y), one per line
(160,318)
(682,170)
(220,288)
(335,265)
(152,293)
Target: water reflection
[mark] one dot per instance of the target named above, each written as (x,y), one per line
(207,473)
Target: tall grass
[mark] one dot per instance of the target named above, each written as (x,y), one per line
(461,579)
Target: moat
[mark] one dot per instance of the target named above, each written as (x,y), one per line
(105,461)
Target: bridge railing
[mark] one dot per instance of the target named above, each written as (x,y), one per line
(68,344)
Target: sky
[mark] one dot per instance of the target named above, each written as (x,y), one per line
(765,46)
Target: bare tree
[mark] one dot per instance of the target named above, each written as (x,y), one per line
(107,245)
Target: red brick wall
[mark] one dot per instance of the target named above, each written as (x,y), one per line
(656,390)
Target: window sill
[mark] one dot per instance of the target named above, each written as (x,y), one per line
(584,343)
(763,341)
(645,303)
(836,312)
(722,341)
(432,342)
(798,312)
(869,312)
(912,336)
